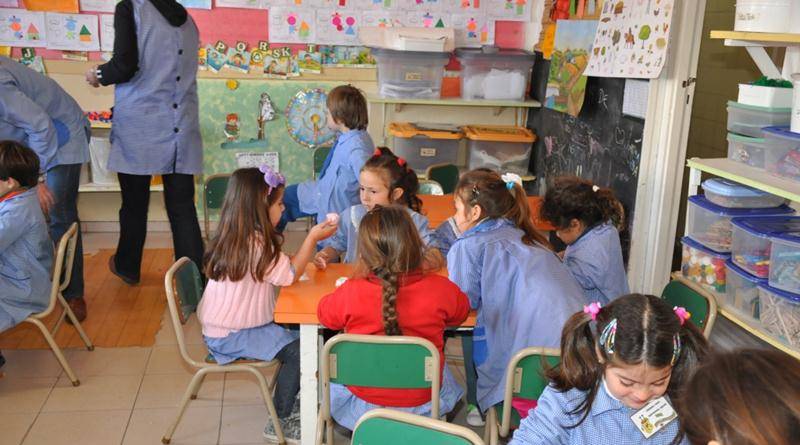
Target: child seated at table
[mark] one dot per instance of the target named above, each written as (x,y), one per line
(26,251)
(244,265)
(394,292)
(385,179)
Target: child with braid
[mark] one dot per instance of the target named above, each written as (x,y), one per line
(395,291)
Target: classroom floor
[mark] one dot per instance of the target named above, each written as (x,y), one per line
(130,395)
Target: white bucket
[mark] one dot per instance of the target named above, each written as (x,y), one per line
(763,15)
(99,150)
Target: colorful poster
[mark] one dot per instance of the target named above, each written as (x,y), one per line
(382,19)
(427,19)
(197,4)
(9,3)
(466,6)
(375,5)
(421,5)
(566,84)
(19,27)
(632,39)
(338,27)
(99,5)
(106,32)
(52,5)
(247,4)
(516,10)
(75,32)
(292,25)
(472,30)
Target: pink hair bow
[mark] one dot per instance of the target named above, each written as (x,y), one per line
(682,314)
(592,310)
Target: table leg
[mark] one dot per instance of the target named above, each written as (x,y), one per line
(309,359)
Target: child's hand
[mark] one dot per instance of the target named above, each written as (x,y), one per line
(323,230)
(321,260)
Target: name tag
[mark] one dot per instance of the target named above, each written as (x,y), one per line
(654,416)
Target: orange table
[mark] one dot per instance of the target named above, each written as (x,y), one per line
(440,207)
(297,304)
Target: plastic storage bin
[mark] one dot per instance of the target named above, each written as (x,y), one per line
(410,74)
(727,193)
(763,96)
(752,244)
(763,15)
(782,157)
(741,293)
(423,146)
(491,73)
(749,119)
(784,271)
(703,265)
(746,150)
(502,148)
(780,314)
(710,224)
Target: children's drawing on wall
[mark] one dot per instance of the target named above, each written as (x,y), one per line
(266,113)
(216,60)
(305,118)
(238,58)
(106,32)
(375,5)
(19,27)
(422,5)
(309,62)
(338,27)
(232,127)
(249,4)
(197,4)
(9,4)
(97,5)
(518,10)
(632,39)
(202,59)
(76,32)
(427,19)
(382,19)
(473,30)
(292,25)
(347,56)
(466,6)
(566,84)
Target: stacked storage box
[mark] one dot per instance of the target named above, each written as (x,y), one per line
(423,145)
(746,142)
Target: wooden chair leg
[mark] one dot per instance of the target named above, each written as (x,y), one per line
(194,383)
(265,393)
(56,350)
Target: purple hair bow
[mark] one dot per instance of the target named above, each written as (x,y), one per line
(272,178)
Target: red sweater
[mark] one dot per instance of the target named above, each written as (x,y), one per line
(426,305)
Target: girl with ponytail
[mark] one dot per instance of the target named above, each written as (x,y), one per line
(615,360)
(523,293)
(588,218)
(395,291)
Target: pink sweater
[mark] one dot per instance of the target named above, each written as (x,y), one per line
(228,306)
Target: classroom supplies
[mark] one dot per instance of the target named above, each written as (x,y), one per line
(766,93)
(77,32)
(762,15)
(506,149)
(741,293)
(747,150)
(780,314)
(748,120)
(752,241)
(727,193)
(423,145)
(19,27)
(782,158)
(492,73)
(784,270)
(702,265)
(413,74)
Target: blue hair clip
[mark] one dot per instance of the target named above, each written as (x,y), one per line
(608,336)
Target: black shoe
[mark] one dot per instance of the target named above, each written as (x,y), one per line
(112,266)
(2,360)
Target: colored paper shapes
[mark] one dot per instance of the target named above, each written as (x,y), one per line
(472,30)
(338,27)
(292,25)
(19,27)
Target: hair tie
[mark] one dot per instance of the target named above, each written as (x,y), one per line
(682,314)
(377,152)
(510,179)
(595,188)
(401,162)
(271,177)
(592,310)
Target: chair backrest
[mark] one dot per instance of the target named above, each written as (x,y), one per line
(698,301)
(62,267)
(320,153)
(388,427)
(430,187)
(445,174)
(380,361)
(184,288)
(214,188)
(525,378)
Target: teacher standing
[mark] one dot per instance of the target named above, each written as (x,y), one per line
(155,129)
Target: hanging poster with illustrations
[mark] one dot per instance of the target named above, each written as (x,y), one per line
(69,6)
(74,32)
(309,62)
(247,4)
(427,19)
(375,5)
(465,6)
(421,5)
(515,10)
(106,32)
(473,30)
(338,27)
(382,19)
(632,39)
(19,27)
(99,5)
(292,25)
(566,83)
(197,4)
(9,3)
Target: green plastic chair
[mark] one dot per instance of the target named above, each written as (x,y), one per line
(213,195)
(524,378)
(698,301)
(388,427)
(320,153)
(445,174)
(376,361)
(184,288)
(430,187)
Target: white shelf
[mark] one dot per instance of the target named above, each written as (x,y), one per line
(743,38)
(110,188)
(744,174)
(764,336)
(457,102)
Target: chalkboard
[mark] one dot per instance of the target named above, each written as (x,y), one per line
(601,144)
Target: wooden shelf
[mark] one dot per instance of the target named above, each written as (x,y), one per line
(456,102)
(742,38)
(744,174)
(111,188)
(766,337)
(100,125)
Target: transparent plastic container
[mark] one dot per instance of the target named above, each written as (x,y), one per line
(423,146)
(741,293)
(703,265)
(782,157)
(747,150)
(750,119)
(784,271)
(727,193)
(492,73)
(710,224)
(410,74)
(499,147)
(752,241)
(780,314)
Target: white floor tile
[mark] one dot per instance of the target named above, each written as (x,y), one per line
(243,424)
(80,427)
(30,363)
(19,395)
(243,389)
(14,427)
(167,359)
(167,390)
(198,426)
(108,361)
(94,393)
